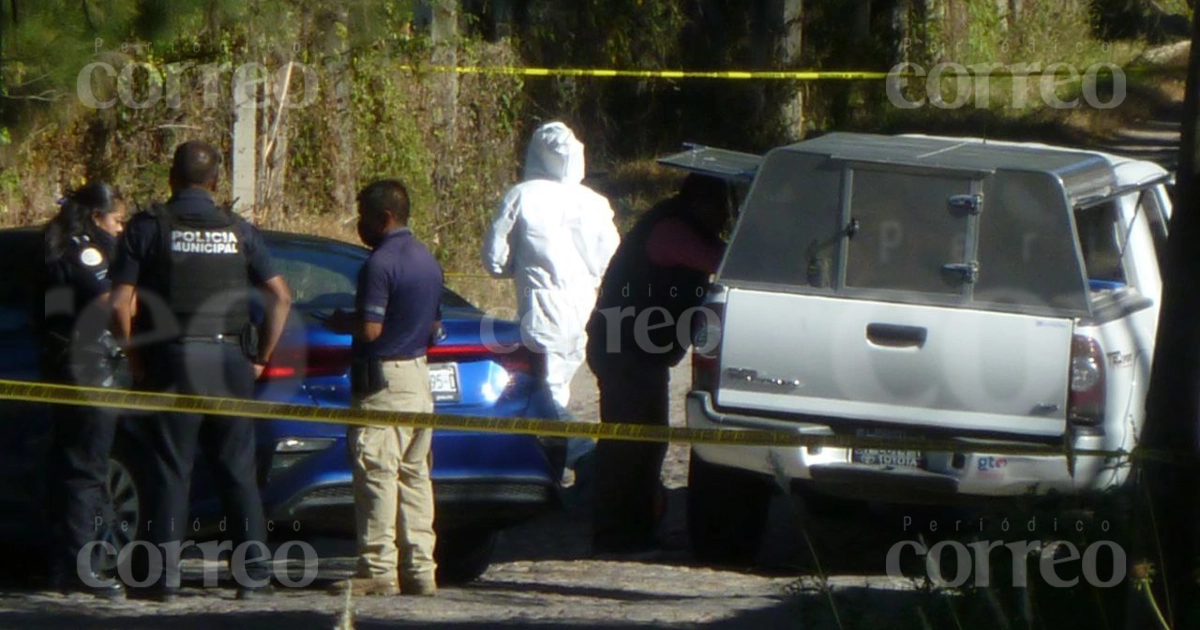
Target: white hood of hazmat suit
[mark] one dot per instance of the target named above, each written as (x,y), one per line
(554,237)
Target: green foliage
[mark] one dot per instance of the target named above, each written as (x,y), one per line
(367,49)
(995,43)
(620,34)
(388,110)
(621,119)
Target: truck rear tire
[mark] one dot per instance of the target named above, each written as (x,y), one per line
(727,513)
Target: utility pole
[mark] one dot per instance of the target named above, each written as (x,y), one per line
(1166,513)
(245,144)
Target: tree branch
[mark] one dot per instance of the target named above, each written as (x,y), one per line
(48,96)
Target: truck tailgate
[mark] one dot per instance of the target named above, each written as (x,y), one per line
(893,364)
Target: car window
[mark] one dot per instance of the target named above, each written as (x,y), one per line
(324,276)
(906,232)
(900,234)
(789,230)
(1027,250)
(1100,238)
(319,277)
(1152,208)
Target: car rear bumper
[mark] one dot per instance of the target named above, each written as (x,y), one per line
(480,481)
(328,510)
(945,478)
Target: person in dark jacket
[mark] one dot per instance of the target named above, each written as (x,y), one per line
(659,273)
(79,349)
(193,266)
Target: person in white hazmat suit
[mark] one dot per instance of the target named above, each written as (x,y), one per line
(554,237)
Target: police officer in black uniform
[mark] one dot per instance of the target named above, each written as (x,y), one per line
(79,349)
(194,266)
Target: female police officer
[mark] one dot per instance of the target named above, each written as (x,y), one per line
(79,349)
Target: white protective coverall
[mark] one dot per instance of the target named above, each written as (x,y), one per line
(554,237)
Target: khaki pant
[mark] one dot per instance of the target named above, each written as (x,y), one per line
(393,494)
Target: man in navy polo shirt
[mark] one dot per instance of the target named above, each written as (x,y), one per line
(399,293)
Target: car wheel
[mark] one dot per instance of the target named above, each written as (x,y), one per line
(127,500)
(463,555)
(727,513)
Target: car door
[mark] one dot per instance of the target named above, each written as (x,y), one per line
(863,295)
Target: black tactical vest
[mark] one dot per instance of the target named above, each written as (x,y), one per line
(633,281)
(205,273)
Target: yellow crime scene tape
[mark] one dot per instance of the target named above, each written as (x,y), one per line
(608,73)
(945,70)
(49,393)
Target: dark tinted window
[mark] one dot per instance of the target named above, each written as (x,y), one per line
(907,232)
(789,231)
(1100,237)
(1027,252)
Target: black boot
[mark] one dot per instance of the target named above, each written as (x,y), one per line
(255,592)
(104,588)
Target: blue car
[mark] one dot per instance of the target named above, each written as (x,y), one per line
(483,482)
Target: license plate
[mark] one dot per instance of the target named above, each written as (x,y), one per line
(887,457)
(443,381)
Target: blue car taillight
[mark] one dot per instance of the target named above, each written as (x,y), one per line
(311,362)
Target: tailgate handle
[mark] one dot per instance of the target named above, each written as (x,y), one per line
(896,336)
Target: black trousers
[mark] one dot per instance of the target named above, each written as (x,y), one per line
(79,506)
(628,474)
(205,369)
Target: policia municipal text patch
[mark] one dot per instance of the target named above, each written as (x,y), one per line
(204,242)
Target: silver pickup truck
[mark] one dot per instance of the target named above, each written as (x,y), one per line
(923,287)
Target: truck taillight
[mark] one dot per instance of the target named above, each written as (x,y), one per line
(1085,403)
(706,347)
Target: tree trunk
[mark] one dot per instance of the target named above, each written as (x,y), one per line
(1168,497)
(958,29)
(274,139)
(789,55)
(333,23)
(444,36)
